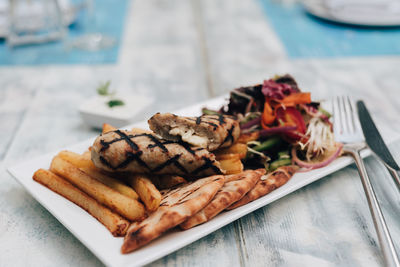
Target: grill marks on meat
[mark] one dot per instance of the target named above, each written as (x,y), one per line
(208,164)
(198,121)
(145,153)
(207,131)
(229,136)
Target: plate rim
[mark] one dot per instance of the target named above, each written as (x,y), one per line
(324,14)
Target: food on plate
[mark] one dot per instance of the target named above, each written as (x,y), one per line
(111,182)
(148,193)
(116,224)
(176,206)
(125,206)
(234,188)
(237,148)
(86,155)
(206,131)
(245,138)
(80,161)
(281,124)
(267,184)
(167,181)
(231,163)
(107,128)
(146,153)
(85,164)
(249,147)
(136,130)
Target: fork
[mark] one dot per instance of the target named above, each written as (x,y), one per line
(347,130)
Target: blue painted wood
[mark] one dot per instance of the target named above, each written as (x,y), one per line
(109,19)
(306,36)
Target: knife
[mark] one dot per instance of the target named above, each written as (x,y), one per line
(375,142)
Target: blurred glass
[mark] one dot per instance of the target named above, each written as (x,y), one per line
(34,22)
(92,39)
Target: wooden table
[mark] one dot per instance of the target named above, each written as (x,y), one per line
(181,52)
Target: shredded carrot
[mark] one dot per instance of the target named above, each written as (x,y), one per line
(296,98)
(271,105)
(268,115)
(263,125)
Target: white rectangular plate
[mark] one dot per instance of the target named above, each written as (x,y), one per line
(107,248)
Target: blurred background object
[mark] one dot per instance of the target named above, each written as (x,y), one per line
(92,39)
(68,31)
(332,28)
(34,22)
(357,12)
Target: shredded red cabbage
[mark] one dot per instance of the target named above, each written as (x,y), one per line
(275,90)
(251,123)
(277,130)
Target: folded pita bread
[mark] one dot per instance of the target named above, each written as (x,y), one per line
(235,187)
(267,184)
(176,206)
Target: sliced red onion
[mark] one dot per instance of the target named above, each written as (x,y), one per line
(250,123)
(248,107)
(313,112)
(277,130)
(317,165)
(251,129)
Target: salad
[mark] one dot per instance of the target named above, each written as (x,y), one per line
(281,125)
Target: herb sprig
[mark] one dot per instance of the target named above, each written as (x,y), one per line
(104,90)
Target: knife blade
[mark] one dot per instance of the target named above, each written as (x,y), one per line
(375,142)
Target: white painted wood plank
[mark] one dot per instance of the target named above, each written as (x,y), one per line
(217,249)
(161,54)
(241,46)
(15,96)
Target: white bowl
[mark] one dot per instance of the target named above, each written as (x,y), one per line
(95,111)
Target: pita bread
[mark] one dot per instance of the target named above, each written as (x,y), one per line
(235,187)
(271,182)
(176,206)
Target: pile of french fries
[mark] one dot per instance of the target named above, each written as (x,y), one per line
(113,199)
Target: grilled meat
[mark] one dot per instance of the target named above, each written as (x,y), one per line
(206,131)
(123,151)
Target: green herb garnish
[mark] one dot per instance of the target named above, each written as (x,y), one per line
(207,111)
(115,102)
(104,88)
(326,113)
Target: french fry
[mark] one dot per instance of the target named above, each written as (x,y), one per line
(87,155)
(237,148)
(77,160)
(111,182)
(140,131)
(148,193)
(230,156)
(84,162)
(107,128)
(244,138)
(125,206)
(232,165)
(113,221)
(168,181)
